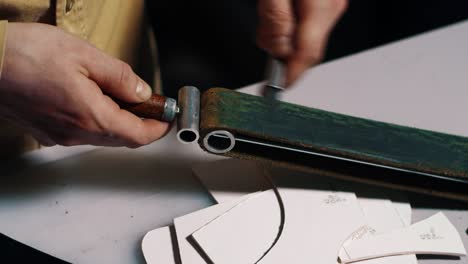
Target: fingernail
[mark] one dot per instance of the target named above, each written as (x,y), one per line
(143,91)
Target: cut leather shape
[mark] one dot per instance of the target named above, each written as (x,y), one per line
(382,216)
(345,147)
(254,237)
(187,224)
(158,246)
(434,235)
(308,216)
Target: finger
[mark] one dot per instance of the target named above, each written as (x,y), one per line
(130,129)
(42,138)
(116,78)
(83,137)
(315,21)
(75,139)
(106,141)
(276,27)
(137,132)
(87,138)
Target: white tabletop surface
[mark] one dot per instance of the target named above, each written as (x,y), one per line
(95,207)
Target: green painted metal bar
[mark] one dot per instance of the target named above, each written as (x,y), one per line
(333,134)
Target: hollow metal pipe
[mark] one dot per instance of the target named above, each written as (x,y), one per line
(188,121)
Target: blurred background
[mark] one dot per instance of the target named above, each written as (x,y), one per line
(211,43)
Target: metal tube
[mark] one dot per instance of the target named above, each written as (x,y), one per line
(275,79)
(188,121)
(276,73)
(219,141)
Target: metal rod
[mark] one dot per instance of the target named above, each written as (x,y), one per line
(275,79)
(189,118)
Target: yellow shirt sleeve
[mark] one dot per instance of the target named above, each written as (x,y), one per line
(3,29)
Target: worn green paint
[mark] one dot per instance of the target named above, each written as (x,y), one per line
(336,134)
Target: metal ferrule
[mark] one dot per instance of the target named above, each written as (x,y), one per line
(275,79)
(188,121)
(276,73)
(170,110)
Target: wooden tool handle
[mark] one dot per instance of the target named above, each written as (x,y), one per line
(152,108)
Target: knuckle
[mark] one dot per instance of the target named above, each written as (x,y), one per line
(275,42)
(277,15)
(275,22)
(86,124)
(76,51)
(98,119)
(126,73)
(86,120)
(74,82)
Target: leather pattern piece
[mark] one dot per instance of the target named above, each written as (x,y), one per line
(341,136)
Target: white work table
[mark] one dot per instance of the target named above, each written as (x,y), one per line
(95,207)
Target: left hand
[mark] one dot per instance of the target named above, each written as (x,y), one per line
(297,31)
(61,89)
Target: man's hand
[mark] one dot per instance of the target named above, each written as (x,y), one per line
(56,86)
(297,30)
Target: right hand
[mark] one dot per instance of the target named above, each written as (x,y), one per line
(297,31)
(56,86)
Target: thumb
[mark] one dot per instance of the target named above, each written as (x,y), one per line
(117,79)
